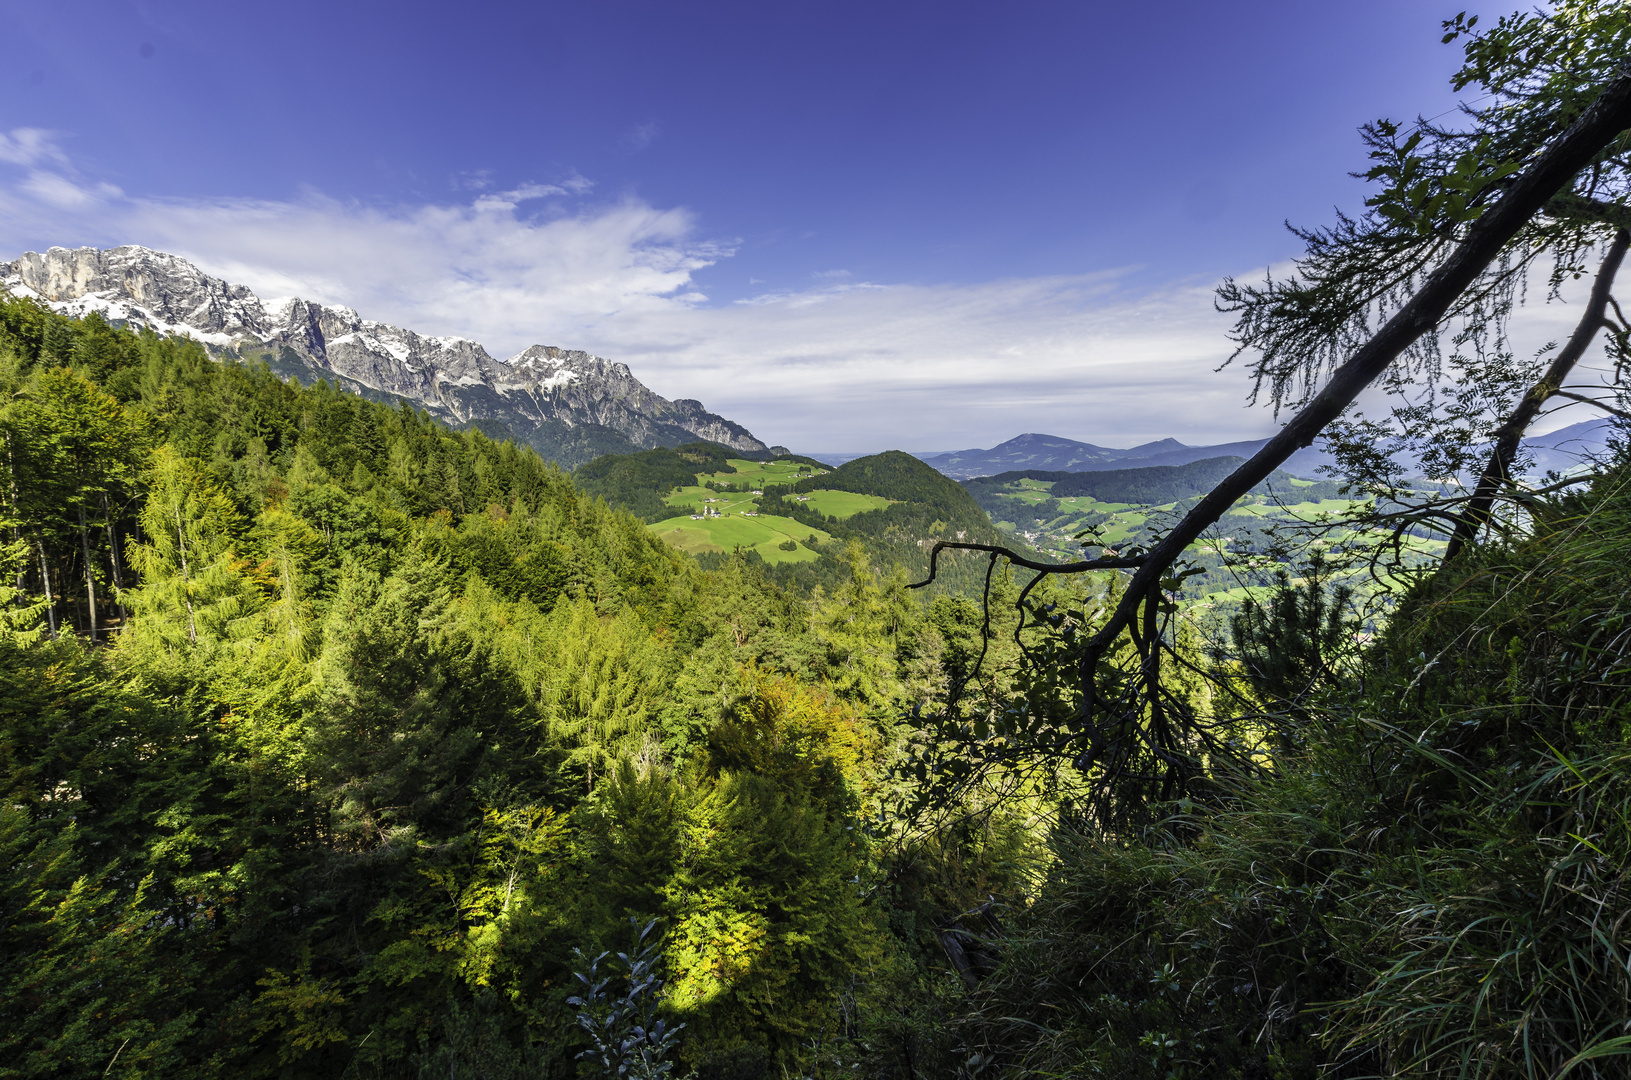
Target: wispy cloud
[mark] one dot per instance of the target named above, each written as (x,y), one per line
(638,137)
(840,365)
(951,366)
(30,146)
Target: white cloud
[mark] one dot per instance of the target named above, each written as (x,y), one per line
(948,367)
(30,146)
(842,365)
(59,192)
(509,200)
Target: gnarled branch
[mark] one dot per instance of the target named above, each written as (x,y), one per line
(1020,560)
(1530,191)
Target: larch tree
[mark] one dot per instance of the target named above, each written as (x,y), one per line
(189,561)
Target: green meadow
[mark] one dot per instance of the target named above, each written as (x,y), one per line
(763,534)
(759,473)
(842,504)
(1300,509)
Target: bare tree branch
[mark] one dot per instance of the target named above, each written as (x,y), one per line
(1020,560)
(1611,410)
(1530,191)
(1507,437)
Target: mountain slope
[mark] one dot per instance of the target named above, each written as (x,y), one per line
(920,495)
(567,404)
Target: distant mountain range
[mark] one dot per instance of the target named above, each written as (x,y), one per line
(568,405)
(1559,450)
(1056,454)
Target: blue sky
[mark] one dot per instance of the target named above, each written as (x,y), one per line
(848,225)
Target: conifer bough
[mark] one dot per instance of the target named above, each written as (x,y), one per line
(1528,193)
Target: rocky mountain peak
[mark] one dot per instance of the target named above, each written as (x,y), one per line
(568,404)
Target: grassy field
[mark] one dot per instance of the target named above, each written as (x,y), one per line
(1302,509)
(753,473)
(693,498)
(1087,504)
(842,504)
(1126,520)
(759,473)
(763,534)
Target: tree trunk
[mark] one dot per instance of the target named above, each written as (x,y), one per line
(1498,470)
(50,604)
(113,556)
(90,572)
(1557,166)
(186,580)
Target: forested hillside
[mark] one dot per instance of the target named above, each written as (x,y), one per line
(808,514)
(638,482)
(328,734)
(1147,486)
(335,743)
(923,502)
(1276,523)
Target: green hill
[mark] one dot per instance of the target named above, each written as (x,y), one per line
(639,482)
(794,513)
(923,506)
(923,503)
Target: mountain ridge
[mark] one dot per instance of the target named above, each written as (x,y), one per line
(566,403)
(1558,450)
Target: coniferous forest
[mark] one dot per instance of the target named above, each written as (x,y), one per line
(338,743)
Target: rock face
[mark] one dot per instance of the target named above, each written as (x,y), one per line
(567,404)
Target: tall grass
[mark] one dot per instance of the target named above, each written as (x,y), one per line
(1434,885)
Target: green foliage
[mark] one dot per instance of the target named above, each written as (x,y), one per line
(629,1038)
(1298,646)
(638,482)
(393,718)
(329,737)
(1421,885)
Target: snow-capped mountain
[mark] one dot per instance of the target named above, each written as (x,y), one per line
(569,405)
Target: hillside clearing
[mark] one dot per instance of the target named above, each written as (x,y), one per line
(728,532)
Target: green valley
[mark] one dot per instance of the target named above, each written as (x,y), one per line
(795,514)
(1058,512)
